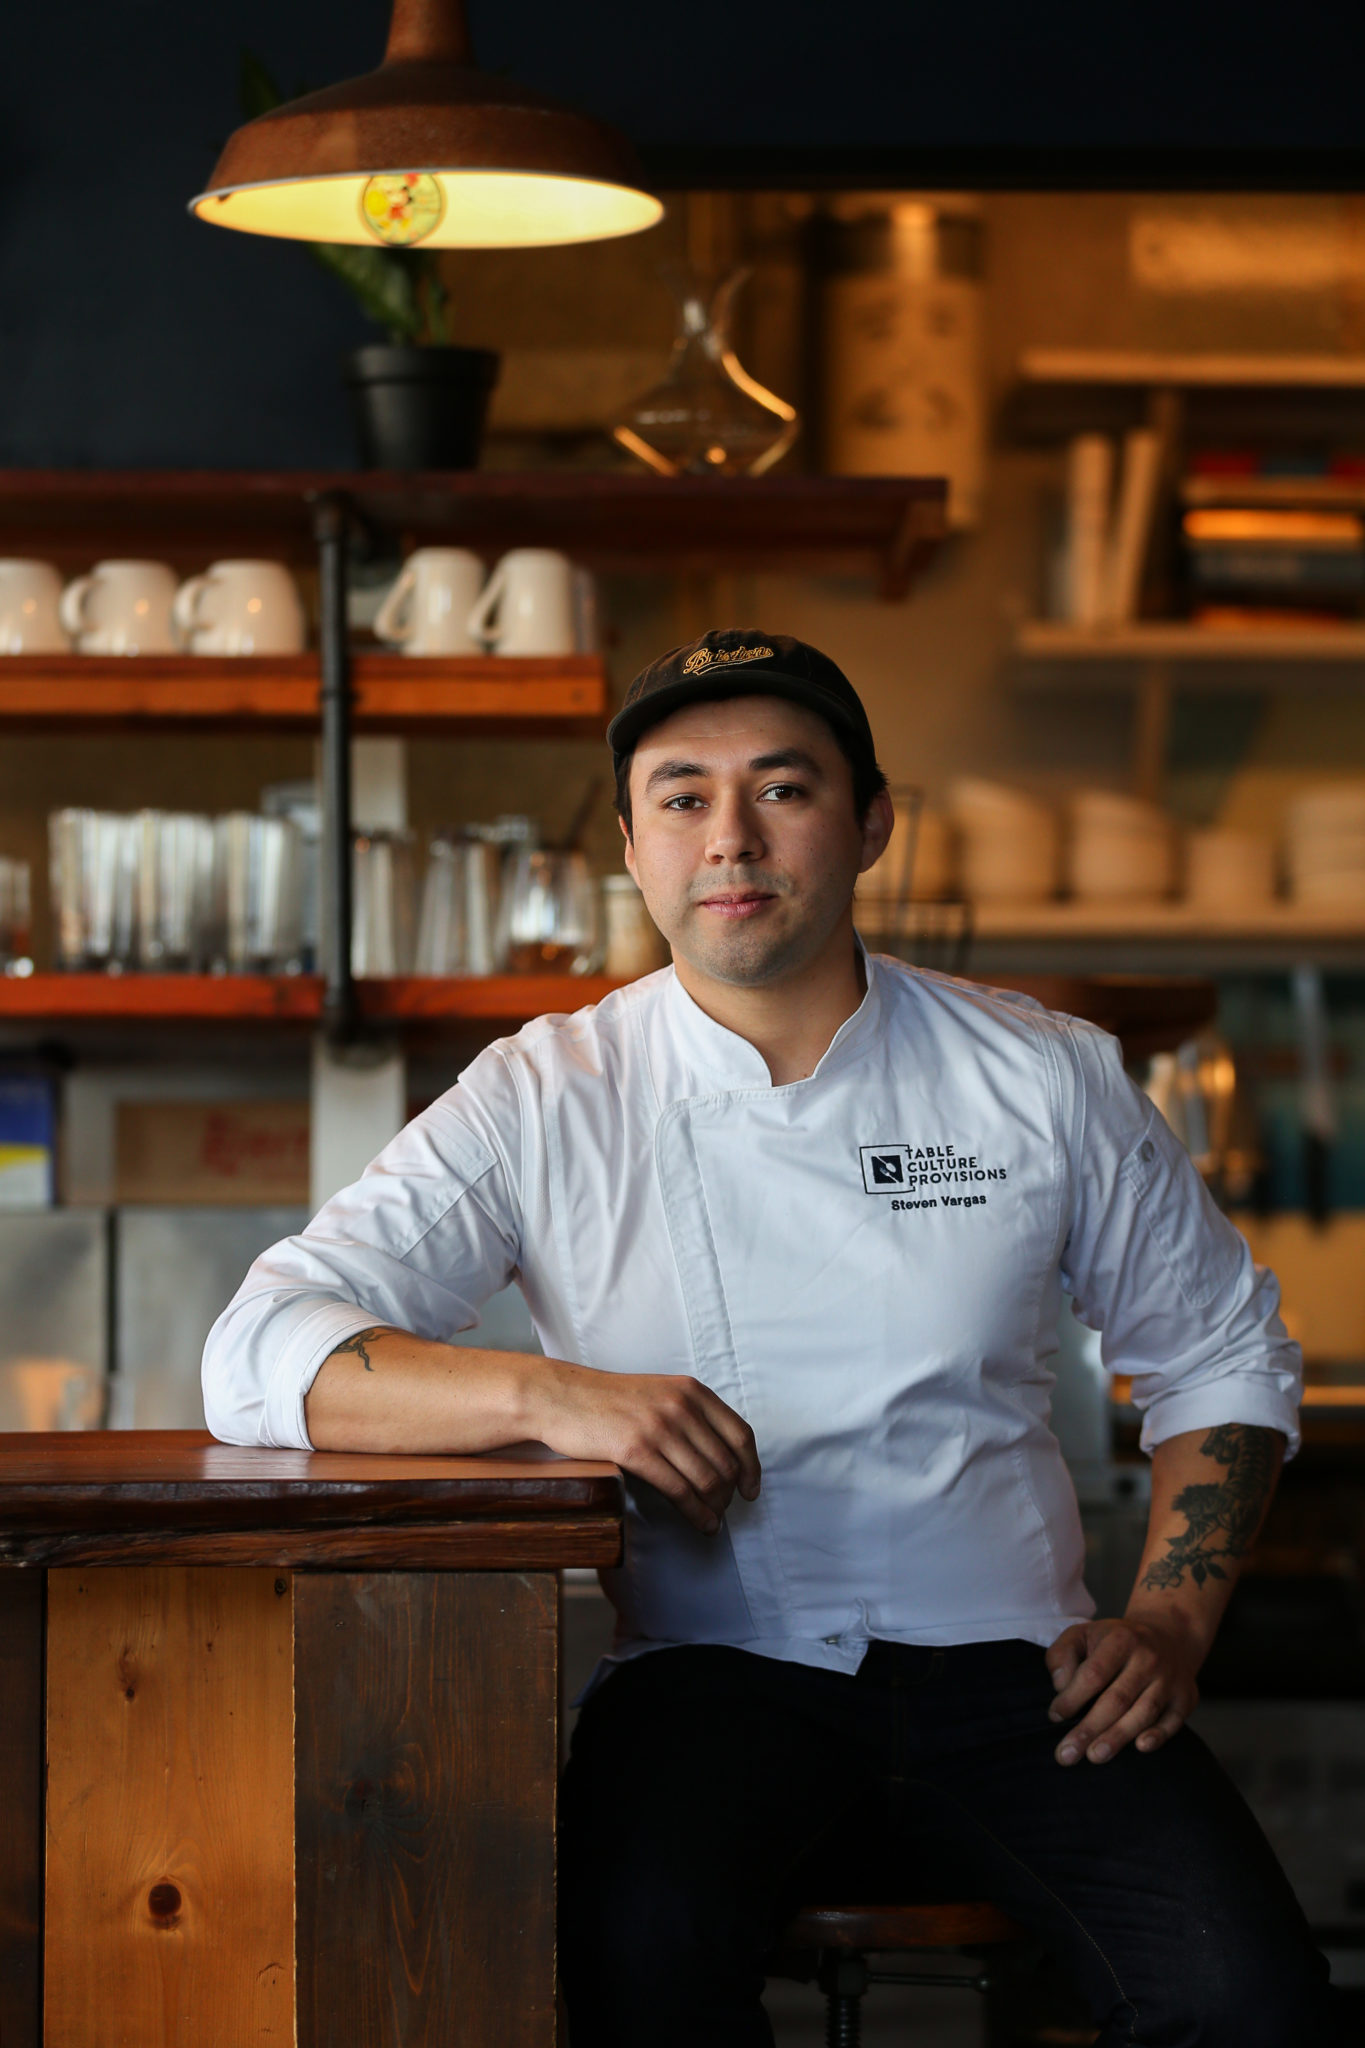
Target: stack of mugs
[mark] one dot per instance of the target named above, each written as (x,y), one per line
(1325,846)
(1008,843)
(1121,850)
(536,602)
(134,608)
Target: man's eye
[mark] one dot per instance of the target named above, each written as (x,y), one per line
(781,792)
(681,803)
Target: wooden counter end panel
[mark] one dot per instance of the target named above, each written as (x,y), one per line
(21,1805)
(427,1751)
(170,1856)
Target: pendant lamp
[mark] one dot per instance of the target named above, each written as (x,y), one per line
(428,150)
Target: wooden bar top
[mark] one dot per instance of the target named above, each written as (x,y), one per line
(179,1496)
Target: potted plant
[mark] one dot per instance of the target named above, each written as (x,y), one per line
(417,400)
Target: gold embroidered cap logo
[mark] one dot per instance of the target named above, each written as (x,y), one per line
(705,656)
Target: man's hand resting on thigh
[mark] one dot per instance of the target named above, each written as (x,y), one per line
(383,1390)
(1210,1491)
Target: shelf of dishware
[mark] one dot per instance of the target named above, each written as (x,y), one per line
(395,693)
(294,998)
(612,521)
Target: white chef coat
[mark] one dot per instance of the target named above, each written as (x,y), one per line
(868,1265)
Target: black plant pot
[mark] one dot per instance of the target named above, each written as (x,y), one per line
(420,408)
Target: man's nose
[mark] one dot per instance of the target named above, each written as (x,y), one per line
(736,831)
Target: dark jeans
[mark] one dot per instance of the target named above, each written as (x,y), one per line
(709,1792)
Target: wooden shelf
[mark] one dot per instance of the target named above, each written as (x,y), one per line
(1316,650)
(889,524)
(1223,400)
(1010,940)
(1295,493)
(291,998)
(1192,368)
(1145,1013)
(393,693)
(1191,923)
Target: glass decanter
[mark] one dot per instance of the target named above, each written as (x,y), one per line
(708,417)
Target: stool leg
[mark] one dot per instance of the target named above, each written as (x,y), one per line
(843,1979)
(843,2020)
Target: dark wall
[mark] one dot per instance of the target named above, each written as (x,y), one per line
(133,335)
(130,334)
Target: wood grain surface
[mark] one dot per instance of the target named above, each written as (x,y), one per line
(612,520)
(426,1712)
(181,1479)
(169,1896)
(537,1543)
(22,1597)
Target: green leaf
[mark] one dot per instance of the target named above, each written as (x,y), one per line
(256,89)
(385,287)
(400,289)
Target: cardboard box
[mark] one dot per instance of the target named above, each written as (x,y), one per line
(251,1153)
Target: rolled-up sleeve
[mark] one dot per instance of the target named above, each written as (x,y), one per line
(421,1241)
(1158,1270)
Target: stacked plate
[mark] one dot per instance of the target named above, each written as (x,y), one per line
(1120,850)
(1228,869)
(1325,845)
(1008,841)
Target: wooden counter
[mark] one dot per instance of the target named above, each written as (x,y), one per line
(299,1717)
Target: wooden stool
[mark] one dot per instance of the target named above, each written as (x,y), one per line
(831,1944)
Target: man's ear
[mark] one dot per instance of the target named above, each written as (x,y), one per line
(630,850)
(877,829)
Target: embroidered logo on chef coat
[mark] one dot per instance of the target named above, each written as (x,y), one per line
(906,1169)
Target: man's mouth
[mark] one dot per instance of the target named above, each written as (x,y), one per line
(737,903)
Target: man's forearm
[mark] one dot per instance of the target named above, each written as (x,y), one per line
(1210,1492)
(383,1390)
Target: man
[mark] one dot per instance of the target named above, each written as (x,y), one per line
(794,1225)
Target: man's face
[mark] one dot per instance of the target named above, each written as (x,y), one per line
(745,842)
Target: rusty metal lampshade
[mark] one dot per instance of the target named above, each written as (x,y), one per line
(429,150)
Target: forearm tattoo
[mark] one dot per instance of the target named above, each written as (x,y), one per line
(360,1343)
(1224,1515)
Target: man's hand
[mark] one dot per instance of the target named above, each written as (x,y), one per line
(1140,1676)
(664,1428)
(1210,1492)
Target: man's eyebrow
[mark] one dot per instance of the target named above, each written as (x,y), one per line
(674,771)
(786,757)
(762,764)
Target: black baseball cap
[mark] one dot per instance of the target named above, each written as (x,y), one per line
(737,662)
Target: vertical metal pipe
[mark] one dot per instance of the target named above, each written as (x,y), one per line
(330,525)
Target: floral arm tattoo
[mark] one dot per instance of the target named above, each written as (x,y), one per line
(1224,1515)
(360,1343)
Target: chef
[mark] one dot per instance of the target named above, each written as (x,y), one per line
(794,1224)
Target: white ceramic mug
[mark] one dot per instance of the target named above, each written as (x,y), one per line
(530,605)
(30,594)
(427,611)
(240,608)
(121,608)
